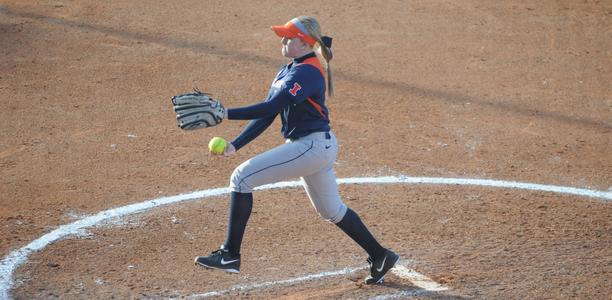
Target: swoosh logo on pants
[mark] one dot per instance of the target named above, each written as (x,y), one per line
(382,264)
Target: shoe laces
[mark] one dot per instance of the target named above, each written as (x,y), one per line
(220,251)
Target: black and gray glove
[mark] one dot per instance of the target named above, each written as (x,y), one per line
(197,110)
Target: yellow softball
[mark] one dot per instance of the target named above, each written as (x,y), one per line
(217,145)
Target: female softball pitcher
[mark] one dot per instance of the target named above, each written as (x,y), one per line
(298,95)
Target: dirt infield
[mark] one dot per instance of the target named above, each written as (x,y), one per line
(452,89)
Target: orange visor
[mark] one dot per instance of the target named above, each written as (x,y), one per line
(292,29)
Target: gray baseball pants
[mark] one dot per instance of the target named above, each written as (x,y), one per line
(311,158)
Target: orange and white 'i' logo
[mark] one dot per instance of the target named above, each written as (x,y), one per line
(296,87)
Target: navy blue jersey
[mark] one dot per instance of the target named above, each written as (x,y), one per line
(297,94)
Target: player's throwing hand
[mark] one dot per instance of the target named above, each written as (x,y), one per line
(219,146)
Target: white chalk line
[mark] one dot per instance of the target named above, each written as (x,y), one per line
(418,279)
(10,262)
(286,282)
(425,283)
(401,294)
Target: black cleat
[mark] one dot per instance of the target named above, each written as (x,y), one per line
(380,267)
(220,259)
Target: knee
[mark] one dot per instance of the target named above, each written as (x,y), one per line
(333,215)
(238,181)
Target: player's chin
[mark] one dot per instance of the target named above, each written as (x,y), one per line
(285,52)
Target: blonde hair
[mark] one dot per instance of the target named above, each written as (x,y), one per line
(321,50)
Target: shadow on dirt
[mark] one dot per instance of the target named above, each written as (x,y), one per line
(401,87)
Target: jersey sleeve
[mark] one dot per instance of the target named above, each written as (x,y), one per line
(297,86)
(252,131)
(302,83)
(257,111)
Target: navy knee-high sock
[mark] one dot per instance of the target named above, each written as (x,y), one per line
(239,212)
(352,225)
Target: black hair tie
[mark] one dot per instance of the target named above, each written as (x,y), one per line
(327,41)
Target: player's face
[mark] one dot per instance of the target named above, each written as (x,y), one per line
(292,48)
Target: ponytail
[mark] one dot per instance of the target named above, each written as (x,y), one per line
(322,48)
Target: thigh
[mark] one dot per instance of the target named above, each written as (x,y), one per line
(322,189)
(287,161)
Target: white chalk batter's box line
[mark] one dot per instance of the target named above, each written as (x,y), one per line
(9,264)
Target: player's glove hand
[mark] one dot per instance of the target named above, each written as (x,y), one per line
(197,110)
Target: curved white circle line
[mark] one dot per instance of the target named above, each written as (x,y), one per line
(10,263)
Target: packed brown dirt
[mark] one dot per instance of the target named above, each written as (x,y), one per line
(471,89)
